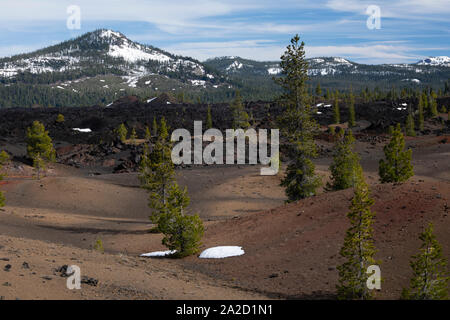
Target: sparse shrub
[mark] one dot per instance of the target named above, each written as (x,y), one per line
(332,130)
(430,272)
(39,147)
(60,118)
(443,109)
(397,166)
(98,246)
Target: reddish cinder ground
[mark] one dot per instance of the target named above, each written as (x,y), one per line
(291,251)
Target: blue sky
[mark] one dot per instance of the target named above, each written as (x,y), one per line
(255,29)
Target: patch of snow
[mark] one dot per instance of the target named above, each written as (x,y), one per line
(59,87)
(435,61)
(198,82)
(221,252)
(158,253)
(150,100)
(274,71)
(235,66)
(87,130)
(412,80)
(131,54)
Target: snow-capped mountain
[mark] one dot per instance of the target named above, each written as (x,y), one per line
(339,68)
(443,61)
(108,52)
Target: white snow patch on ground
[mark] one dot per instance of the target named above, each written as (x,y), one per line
(158,253)
(87,130)
(151,99)
(221,252)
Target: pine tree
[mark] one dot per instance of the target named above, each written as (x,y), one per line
(122,132)
(410,126)
(148,135)
(351,111)
(157,171)
(209,124)
(240,117)
(397,166)
(336,112)
(430,272)
(155,127)
(182,233)
(39,147)
(345,163)
(297,124)
(421,115)
(133,136)
(4,157)
(433,106)
(358,249)
(318,90)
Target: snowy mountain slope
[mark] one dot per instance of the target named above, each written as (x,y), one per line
(104,51)
(443,61)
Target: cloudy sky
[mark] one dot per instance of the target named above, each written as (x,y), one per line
(256,29)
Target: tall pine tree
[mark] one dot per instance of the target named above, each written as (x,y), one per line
(157,172)
(358,249)
(297,124)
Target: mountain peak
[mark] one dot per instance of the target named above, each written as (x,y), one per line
(435,61)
